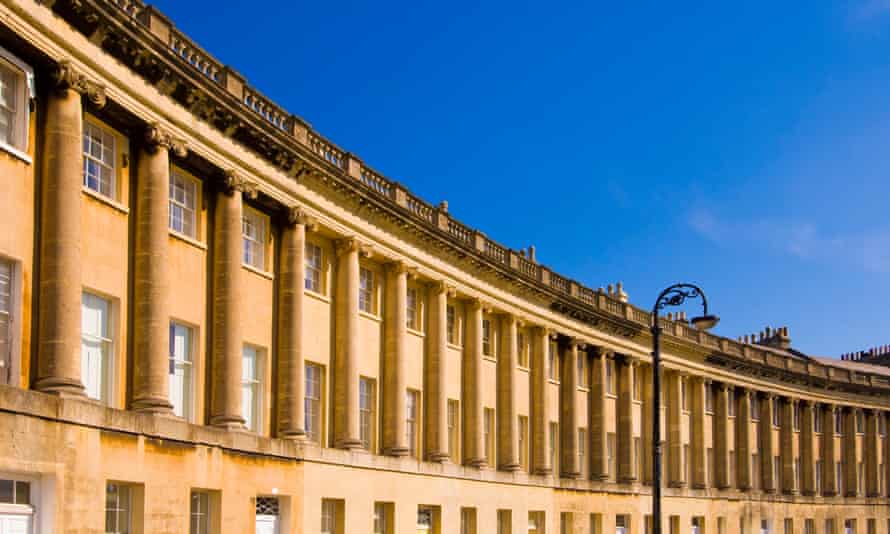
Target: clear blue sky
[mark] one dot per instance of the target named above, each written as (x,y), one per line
(743,147)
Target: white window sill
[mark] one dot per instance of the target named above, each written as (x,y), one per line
(490,359)
(415,332)
(190,240)
(16,153)
(371,316)
(317,296)
(105,200)
(553,381)
(523,368)
(258,272)
(585,389)
(454,346)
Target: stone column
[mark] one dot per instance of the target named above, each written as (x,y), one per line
(676,471)
(508,444)
(58,341)
(829,480)
(698,452)
(786,440)
(807,451)
(291,364)
(395,326)
(850,455)
(743,439)
(645,374)
(228,304)
(151,278)
(885,491)
(540,428)
(599,459)
(720,436)
(434,373)
(870,447)
(474,444)
(568,415)
(625,438)
(346,346)
(767,478)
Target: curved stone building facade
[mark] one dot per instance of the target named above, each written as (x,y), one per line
(214,320)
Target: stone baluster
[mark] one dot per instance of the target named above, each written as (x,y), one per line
(786,444)
(474,438)
(291,362)
(676,469)
(347,434)
(435,378)
(697,450)
(829,479)
(151,284)
(872,468)
(508,444)
(743,439)
(767,473)
(720,436)
(228,304)
(568,414)
(626,466)
(395,325)
(807,448)
(599,456)
(849,453)
(540,428)
(58,341)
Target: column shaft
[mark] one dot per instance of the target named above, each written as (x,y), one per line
(540,428)
(850,454)
(807,448)
(508,445)
(474,445)
(568,415)
(599,459)
(626,471)
(698,452)
(767,478)
(394,379)
(227,308)
(720,437)
(436,405)
(676,471)
(151,284)
(645,374)
(346,353)
(829,480)
(59,366)
(871,454)
(291,364)
(786,439)
(743,439)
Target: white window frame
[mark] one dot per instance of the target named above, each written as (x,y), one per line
(182,181)
(412,418)
(105,339)
(452,325)
(412,309)
(21,116)
(253,252)
(453,424)
(185,363)
(203,513)
(255,385)
(127,507)
(10,363)
(96,131)
(314,269)
(366,289)
(581,364)
(329,516)
(367,412)
(487,345)
(312,401)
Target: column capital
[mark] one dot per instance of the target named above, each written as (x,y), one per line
(576,343)
(67,76)
(156,136)
(351,244)
(474,303)
(400,267)
(232,181)
(297,214)
(599,351)
(443,286)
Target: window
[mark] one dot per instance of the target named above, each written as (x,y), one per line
(776,406)
(99,169)
(871,526)
(383,514)
(522,349)
(882,425)
(411,416)
(118,508)
(817,420)
(638,456)
(467,521)
(451,325)
(523,442)
(610,377)
(183,202)
(582,449)
(181,370)
(839,477)
(267,515)
(838,422)
(366,412)
(755,408)
(697,525)
(6,315)
(582,369)
(552,362)
(365,290)
(505,522)
(860,422)
(764,526)
(251,388)
(596,523)
(849,526)
(487,349)
(622,524)
(684,394)
(829,526)
(709,458)
(809,526)
(610,454)
(554,435)
(15,492)
(488,434)
(253,235)
(314,270)
(312,403)
(413,317)
(565,523)
(730,401)
(199,513)
(797,473)
(330,516)
(96,346)
(860,477)
(16,86)
(536,523)
(721,525)
(795,419)
(818,475)
(777,472)
(424,520)
(638,383)
(453,430)
(709,398)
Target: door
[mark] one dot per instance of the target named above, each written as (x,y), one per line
(265,524)
(15,524)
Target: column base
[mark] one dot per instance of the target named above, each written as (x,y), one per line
(152,405)
(542,471)
(292,433)
(348,443)
(808,493)
(228,422)
(512,466)
(569,474)
(628,480)
(478,463)
(396,451)
(60,386)
(438,457)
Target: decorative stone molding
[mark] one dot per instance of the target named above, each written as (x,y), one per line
(232,182)
(351,244)
(442,286)
(67,76)
(157,136)
(298,215)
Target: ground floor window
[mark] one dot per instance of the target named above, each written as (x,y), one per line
(118,508)
(267,515)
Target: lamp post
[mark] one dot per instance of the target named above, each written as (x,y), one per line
(675,295)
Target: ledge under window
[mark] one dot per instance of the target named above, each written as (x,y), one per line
(106,200)
(318,296)
(370,316)
(16,153)
(190,240)
(415,332)
(259,272)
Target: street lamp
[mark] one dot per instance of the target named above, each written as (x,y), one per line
(675,295)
